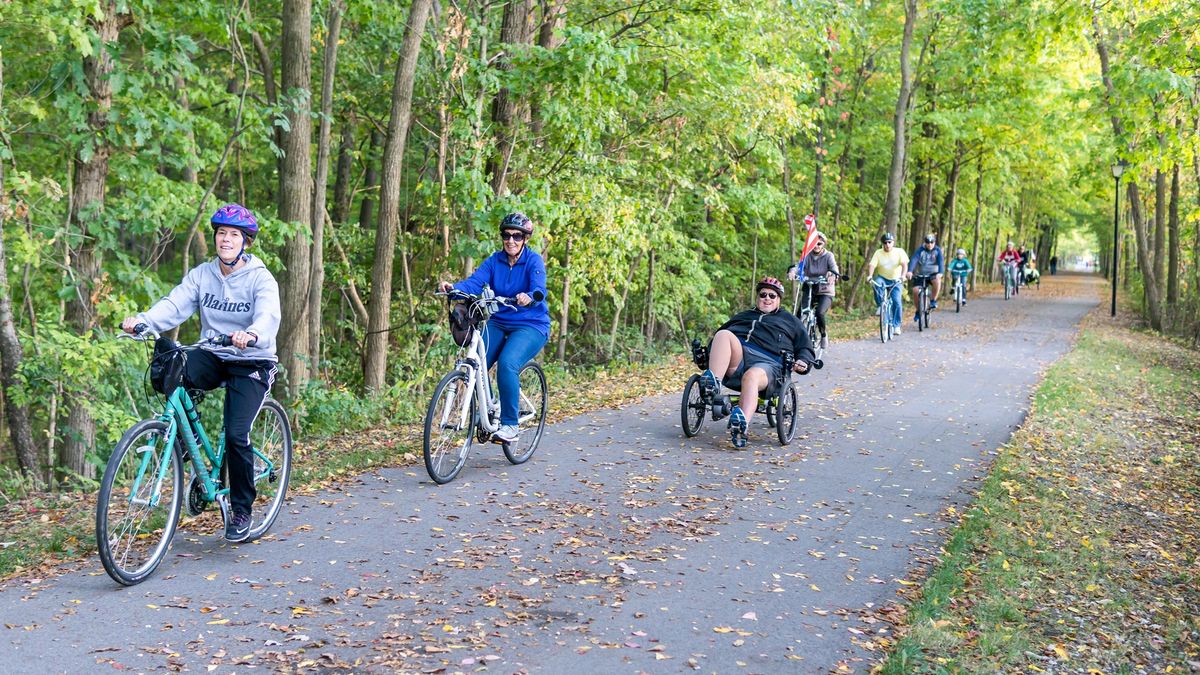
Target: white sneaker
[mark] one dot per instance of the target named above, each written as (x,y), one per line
(508,433)
(896,330)
(877,310)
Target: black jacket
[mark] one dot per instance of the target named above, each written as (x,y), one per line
(772,333)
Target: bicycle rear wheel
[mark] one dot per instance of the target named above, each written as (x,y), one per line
(692,409)
(271,440)
(531,418)
(785,415)
(136,514)
(447,435)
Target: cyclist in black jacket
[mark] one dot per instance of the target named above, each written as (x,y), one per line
(747,351)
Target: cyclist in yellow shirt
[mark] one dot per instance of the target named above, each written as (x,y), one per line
(888,266)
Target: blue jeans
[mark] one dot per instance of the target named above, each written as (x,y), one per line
(510,349)
(896,297)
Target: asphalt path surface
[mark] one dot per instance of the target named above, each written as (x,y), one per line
(621,547)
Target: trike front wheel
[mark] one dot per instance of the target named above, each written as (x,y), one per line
(137,509)
(692,408)
(785,415)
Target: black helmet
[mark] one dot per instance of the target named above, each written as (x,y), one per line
(517,221)
(930,238)
(887,236)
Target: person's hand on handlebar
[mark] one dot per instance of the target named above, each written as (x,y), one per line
(445,286)
(129,323)
(241,338)
(800,367)
(523,299)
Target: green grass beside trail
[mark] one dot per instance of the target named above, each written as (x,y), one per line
(41,531)
(1080,552)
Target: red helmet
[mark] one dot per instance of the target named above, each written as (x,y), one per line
(771,283)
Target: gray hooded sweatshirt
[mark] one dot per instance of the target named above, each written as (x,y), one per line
(247,300)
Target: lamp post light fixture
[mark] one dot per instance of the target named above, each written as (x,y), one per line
(1117,170)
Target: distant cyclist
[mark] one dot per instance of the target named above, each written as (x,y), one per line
(888,264)
(1027,258)
(1010,256)
(236,296)
(960,269)
(927,267)
(819,263)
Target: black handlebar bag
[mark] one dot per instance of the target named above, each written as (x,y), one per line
(462,324)
(167,367)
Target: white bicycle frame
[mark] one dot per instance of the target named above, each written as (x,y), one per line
(474,364)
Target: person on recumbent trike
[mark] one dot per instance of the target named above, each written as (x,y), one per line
(747,352)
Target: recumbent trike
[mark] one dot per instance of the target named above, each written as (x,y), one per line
(780,401)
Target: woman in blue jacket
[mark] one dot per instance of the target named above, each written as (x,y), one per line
(514,335)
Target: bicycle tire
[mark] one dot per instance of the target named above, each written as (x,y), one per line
(533,396)
(921,310)
(958,298)
(885,322)
(786,415)
(1007,287)
(810,326)
(925,302)
(444,456)
(131,543)
(692,408)
(271,438)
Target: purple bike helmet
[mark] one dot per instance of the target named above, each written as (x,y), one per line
(236,215)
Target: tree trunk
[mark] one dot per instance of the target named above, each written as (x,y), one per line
(649,323)
(90,174)
(1173,256)
(1149,284)
(342,193)
(316,282)
(787,202)
(554,15)
(819,151)
(616,322)
(945,228)
(11,353)
(366,208)
(564,317)
(922,204)
(375,366)
(895,184)
(514,30)
(978,219)
(295,192)
(268,72)
(1159,245)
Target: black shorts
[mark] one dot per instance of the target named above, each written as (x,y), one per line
(918,280)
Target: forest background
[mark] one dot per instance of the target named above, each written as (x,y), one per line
(667,152)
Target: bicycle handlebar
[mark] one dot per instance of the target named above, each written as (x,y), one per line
(142,332)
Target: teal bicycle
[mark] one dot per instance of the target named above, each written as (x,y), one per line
(144,490)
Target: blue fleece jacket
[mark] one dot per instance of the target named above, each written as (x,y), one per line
(527,275)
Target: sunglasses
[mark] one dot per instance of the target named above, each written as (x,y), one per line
(767,296)
(512,236)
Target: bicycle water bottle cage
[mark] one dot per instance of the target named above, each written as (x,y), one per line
(699,354)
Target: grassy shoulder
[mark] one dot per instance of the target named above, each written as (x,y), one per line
(1079,553)
(43,531)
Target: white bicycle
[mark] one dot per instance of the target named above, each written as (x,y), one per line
(453,421)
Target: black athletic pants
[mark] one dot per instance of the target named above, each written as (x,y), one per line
(247,384)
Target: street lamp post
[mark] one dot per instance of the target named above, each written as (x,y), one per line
(1117,170)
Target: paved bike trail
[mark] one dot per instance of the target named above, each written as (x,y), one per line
(621,547)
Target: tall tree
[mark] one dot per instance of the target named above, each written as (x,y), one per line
(11,353)
(895,182)
(89,169)
(514,30)
(375,365)
(316,279)
(295,190)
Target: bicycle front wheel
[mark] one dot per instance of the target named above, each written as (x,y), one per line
(925,301)
(271,440)
(449,428)
(692,408)
(531,418)
(885,324)
(958,298)
(785,416)
(137,509)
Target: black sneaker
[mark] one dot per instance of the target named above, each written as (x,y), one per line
(238,528)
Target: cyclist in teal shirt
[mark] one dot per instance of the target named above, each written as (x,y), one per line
(961,268)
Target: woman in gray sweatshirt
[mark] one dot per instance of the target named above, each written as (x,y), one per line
(236,296)
(819,263)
